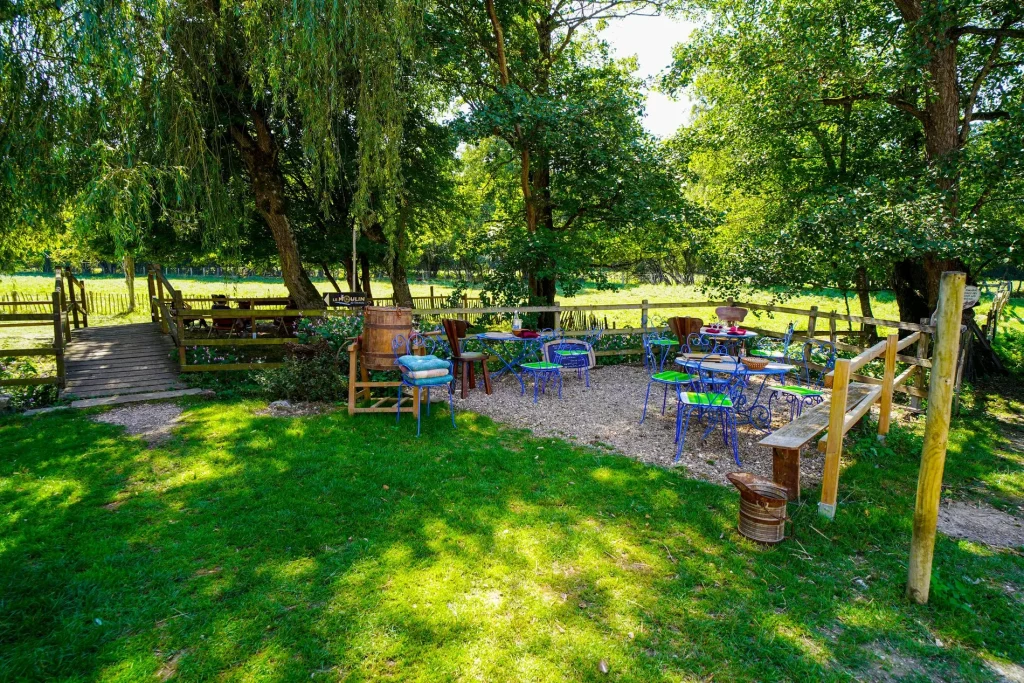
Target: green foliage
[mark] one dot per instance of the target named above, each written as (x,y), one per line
(30,396)
(308,378)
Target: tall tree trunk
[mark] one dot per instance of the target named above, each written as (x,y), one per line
(260,155)
(128,261)
(330,276)
(350,277)
(364,267)
(864,294)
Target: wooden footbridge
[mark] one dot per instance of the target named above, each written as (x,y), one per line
(94,365)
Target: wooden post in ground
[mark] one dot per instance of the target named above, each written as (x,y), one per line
(643,315)
(834,445)
(71,296)
(888,378)
(58,339)
(919,372)
(936,434)
(812,322)
(85,304)
(152,293)
(179,326)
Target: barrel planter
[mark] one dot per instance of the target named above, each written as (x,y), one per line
(381,324)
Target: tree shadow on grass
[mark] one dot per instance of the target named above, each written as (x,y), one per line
(255,547)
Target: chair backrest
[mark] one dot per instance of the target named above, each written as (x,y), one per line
(731,313)
(654,354)
(734,380)
(455,330)
(702,343)
(411,345)
(568,344)
(818,352)
(682,327)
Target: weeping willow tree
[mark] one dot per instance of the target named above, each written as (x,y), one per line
(118,115)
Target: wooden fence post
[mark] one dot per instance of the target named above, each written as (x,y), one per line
(888,377)
(58,338)
(71,296)
(832,334)
(179,325)
(919,372)
(834,445)
(812,322)
(643,315)
(85,304)
(558,318)
(152,292)
(936,434)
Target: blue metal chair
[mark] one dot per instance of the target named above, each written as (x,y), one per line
(717,399)
(571,354)
(771,348)
(404,349)
(814,360)
(654,363)
(541,369)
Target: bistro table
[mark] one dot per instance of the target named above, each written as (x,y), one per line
(731,340)
(502,345)
(756,412)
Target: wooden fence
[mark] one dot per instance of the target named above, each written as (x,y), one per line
(65,306)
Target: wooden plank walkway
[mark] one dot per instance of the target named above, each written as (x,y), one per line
(120,360)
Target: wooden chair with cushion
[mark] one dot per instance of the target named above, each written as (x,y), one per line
(455,331)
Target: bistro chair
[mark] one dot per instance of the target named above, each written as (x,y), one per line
(225,325)
(455,332)
(572,354)
(421,370)
(814,360)
(702,343)
(654,363)
(773,349)
(716,398)
(541,369)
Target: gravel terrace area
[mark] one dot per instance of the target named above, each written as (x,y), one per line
(608,414)
(151,421)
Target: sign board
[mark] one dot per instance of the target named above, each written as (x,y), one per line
(347,299)
(972,295)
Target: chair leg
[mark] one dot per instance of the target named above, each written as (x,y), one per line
(682,437)
(487,377)
(664,400)
(731,417)
(472,377)
(398,406)
(416,408)
(428,401)
(451,404)
(463,365)
(647,397)
(559,385)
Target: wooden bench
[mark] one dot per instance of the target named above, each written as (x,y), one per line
(849,402)
(787,442)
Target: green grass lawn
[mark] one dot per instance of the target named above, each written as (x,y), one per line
(338,548)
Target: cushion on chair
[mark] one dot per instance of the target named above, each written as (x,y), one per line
(473,355)
(798,391)
(422,362)
(568,352)
(425,374)
(663,342)
(673,377)
(717,400)
(761,353)
(541,365)
(428,381)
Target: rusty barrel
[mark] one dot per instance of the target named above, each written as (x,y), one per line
(381,324)
(762,508)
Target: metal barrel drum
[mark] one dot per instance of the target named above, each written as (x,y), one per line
(762,508)
(381,324)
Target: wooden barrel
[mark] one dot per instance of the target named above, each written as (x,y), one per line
(381,324)
(762,508)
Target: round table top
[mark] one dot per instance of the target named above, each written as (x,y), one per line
(723,334)
(503,336)
(729,366)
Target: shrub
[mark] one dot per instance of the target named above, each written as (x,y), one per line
(310,373)
(26,397)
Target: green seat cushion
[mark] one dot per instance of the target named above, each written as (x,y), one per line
(579,352)
(429,381)
(799,391)
(717,400)
(672,377)
(762,353)
(663,342)
(541,365)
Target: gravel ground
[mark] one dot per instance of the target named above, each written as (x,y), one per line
(981,523)
(608,414)
(152,421)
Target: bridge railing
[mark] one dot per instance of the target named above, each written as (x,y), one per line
(56,316)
